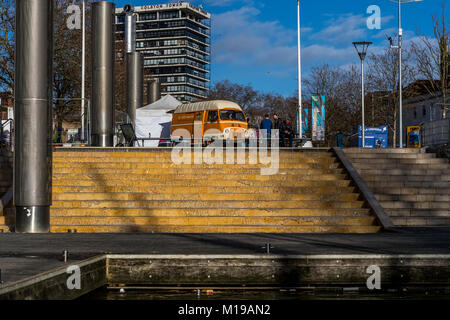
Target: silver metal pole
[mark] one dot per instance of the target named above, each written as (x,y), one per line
(33,116)
(300,111)
(154,88)
(363,128)
(102,74)
(130,28)
(83,70)
(400,31)
(135,84)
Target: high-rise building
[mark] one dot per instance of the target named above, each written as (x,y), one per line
(174,40)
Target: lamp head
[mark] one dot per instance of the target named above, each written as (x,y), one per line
(361,47)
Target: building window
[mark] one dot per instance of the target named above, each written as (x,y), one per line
(147,16)
(415,113)
(424,111)
(169,15)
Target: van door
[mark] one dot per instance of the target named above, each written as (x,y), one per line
(212,122)
(198,121)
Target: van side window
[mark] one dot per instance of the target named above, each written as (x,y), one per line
(213,116)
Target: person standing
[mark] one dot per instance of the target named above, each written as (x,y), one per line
(277,125)
(266,124)
(288,132)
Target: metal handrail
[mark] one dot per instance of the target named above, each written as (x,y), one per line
(10,120)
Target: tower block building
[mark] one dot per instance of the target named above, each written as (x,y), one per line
(174,40)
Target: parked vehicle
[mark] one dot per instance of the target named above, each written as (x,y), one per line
(209,120)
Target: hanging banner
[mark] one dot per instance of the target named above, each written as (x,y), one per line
(318,118)
(305,120)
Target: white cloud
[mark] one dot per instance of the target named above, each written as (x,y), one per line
(240,38)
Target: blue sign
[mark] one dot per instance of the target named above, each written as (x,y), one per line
(374,136)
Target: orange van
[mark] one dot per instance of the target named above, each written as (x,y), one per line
(217,119)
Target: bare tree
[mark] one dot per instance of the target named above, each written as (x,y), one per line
(341,88)
(432,59)
(7,47)
(383,80)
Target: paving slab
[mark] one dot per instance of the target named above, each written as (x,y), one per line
(25,255)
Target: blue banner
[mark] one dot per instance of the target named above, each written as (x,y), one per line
(318,118)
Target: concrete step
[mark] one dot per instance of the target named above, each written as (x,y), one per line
(250,197)
(421,221)
(158,166)
(385,184)
(383,150)
(412,171)
(400,166)
(394,190)
(62,181)
(217,229)
(153,160)
(168,156)
(215,221)
(164,189)
(204,212)
(414,205)
(358,161)
(405,178)
(185,170)
(162,178)
(392,156)
(413,197)
(209,204)
(418,213)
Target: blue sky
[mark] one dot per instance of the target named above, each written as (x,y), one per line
(255,42)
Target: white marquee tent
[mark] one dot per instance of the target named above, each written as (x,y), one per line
(154,121)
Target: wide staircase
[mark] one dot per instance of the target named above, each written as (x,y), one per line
(412,186)
(134,191)
(6,181)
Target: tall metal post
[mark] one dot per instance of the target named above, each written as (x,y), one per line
(400,86)
(135,66)
(33,116)
(102,74)
(361,47)
(362,105)
(153,90)
(135,84)
(300,111)
(83,69)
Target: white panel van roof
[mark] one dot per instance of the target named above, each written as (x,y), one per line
(207,105)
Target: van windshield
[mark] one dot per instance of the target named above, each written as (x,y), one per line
(232,115)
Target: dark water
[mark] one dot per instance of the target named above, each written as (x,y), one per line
(273,294)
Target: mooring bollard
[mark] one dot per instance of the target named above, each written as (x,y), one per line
(268,246)
(65,255)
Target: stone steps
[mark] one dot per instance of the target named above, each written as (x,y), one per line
(414,197)
(147,192)
(210,204)
(174,182)
(214,229)
(205,189)
(412,186)
(178,196)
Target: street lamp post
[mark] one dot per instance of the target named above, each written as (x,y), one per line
(399,47)
(300,115)
(83,68)
(361,47)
